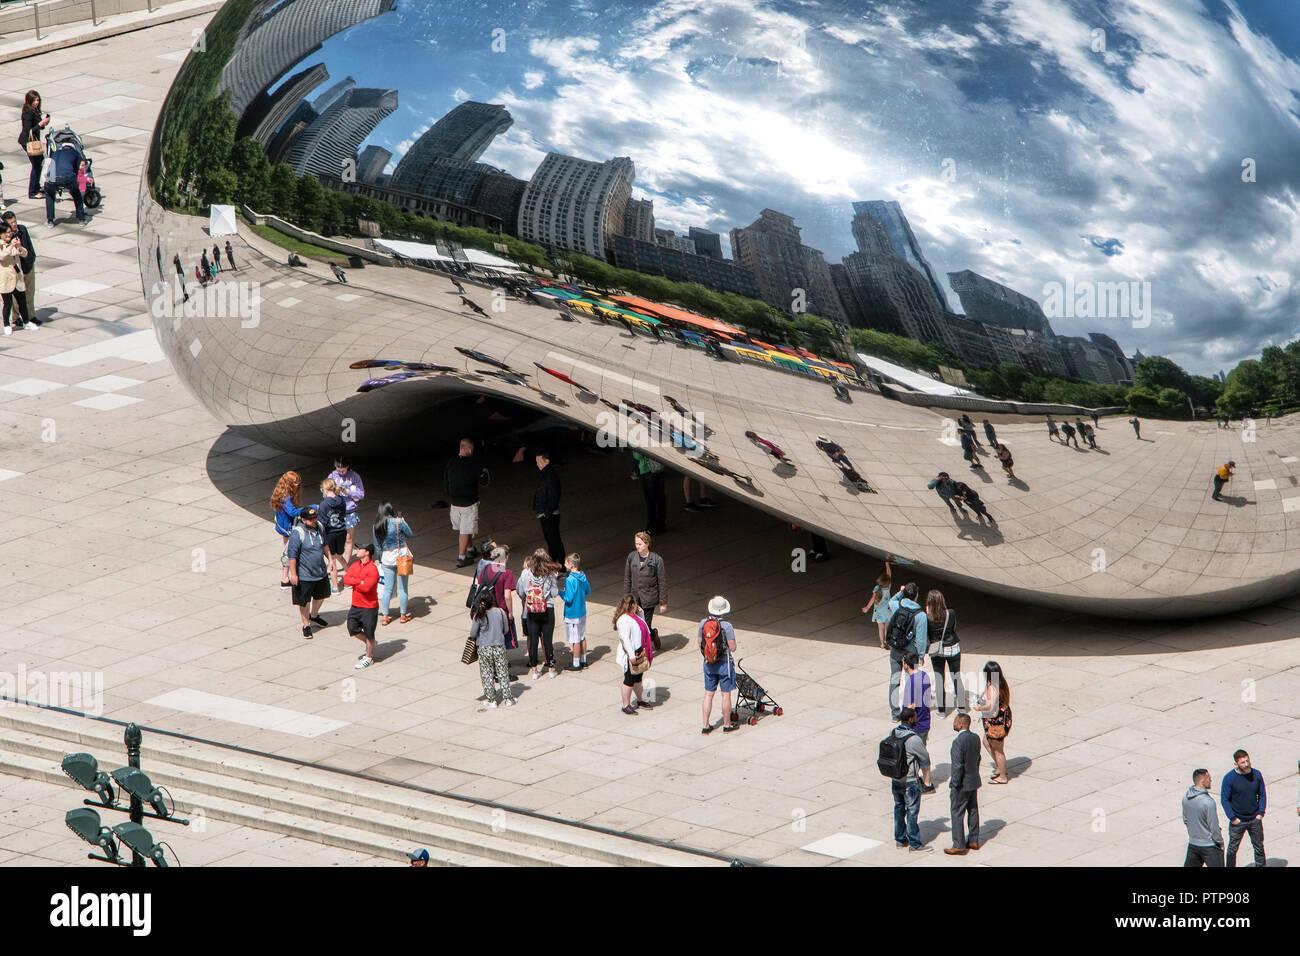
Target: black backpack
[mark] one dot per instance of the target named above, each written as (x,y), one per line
(893,758)
(898,635)
(477,589)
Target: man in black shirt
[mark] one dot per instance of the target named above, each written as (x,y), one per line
(461,481)
(546,505)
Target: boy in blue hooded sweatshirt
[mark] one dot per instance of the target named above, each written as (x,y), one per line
(575,594)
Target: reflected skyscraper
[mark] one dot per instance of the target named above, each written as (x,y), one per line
(268,112)
(371,163)
(770,248)
(283,37)
(888,292)
(576,204)
(337,134)
(995,304)
(890,215)
(639,220)
(461,136)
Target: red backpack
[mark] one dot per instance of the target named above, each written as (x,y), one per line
(713,642)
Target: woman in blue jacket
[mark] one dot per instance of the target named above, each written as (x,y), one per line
(388,531)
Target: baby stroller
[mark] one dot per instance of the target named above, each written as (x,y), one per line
(67,139)
(750,693)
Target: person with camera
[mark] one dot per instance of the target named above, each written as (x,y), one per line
(32,139)
(27,265)
(15,299)
(461,480)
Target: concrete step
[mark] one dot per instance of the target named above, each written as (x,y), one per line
(247,803)
(29,767)
(336,798)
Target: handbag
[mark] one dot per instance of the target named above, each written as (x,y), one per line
(935,648)
(405,561)
(999,730)
(470,654)
(35,145)
(639,664)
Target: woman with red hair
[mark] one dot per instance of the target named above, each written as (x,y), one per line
(285,503)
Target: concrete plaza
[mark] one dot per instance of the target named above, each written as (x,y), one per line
(141,548)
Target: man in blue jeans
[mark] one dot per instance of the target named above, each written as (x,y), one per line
(907,791)
(721,673)
(1244,800)
(64,162)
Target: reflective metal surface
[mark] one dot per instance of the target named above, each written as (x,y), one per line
(296,358)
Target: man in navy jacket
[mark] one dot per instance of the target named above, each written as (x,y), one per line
(1244,800)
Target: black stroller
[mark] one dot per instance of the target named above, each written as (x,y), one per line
(67,139)
(750,693)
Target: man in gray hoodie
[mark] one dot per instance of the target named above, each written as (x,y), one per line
(1201,817)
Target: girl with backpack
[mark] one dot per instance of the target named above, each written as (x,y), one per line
(285,506)
(634,650)
(488,626)
(351,488)
(878,606)
(995,701)
(944,650)
(389,534)
(538,588)
(332,510)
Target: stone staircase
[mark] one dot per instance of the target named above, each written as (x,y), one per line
(322,806)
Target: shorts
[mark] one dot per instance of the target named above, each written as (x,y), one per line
(362,620)
(304,592)
(351,520)
(465,520)
(630,679)
(337,542)
(719,673)
(575,629)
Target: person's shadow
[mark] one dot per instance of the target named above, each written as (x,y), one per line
(387,649)
(983,475)
(1019,483)
(968,530)
(784,470)
(1235,501)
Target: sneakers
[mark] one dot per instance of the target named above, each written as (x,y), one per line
(536,675)
(577,666)
(630,711)
(284,584)
(707,502)
(363,663)
(464,561)
(930,789)
(508,703)
(728,728)
(49,224)
(707,730)
(554,673)
(306,632)
(920,849)
(489,705)
(318,620)
(691,506)
(9,331)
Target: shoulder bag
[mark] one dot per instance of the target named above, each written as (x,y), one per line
(405,560)
(35,146)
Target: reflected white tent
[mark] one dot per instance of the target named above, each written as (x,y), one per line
(913,380)
(221,221)
(428,252)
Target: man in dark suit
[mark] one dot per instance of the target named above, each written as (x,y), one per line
(963,789)
(27,264)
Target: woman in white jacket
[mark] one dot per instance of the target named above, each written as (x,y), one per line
(633,635)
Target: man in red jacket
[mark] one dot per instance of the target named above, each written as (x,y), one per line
(363,578)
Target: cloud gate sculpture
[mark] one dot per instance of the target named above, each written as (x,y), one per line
(463,196)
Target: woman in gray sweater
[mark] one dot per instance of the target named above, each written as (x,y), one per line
(646,578)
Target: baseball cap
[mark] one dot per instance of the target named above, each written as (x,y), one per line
(422,855)
(309,511)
